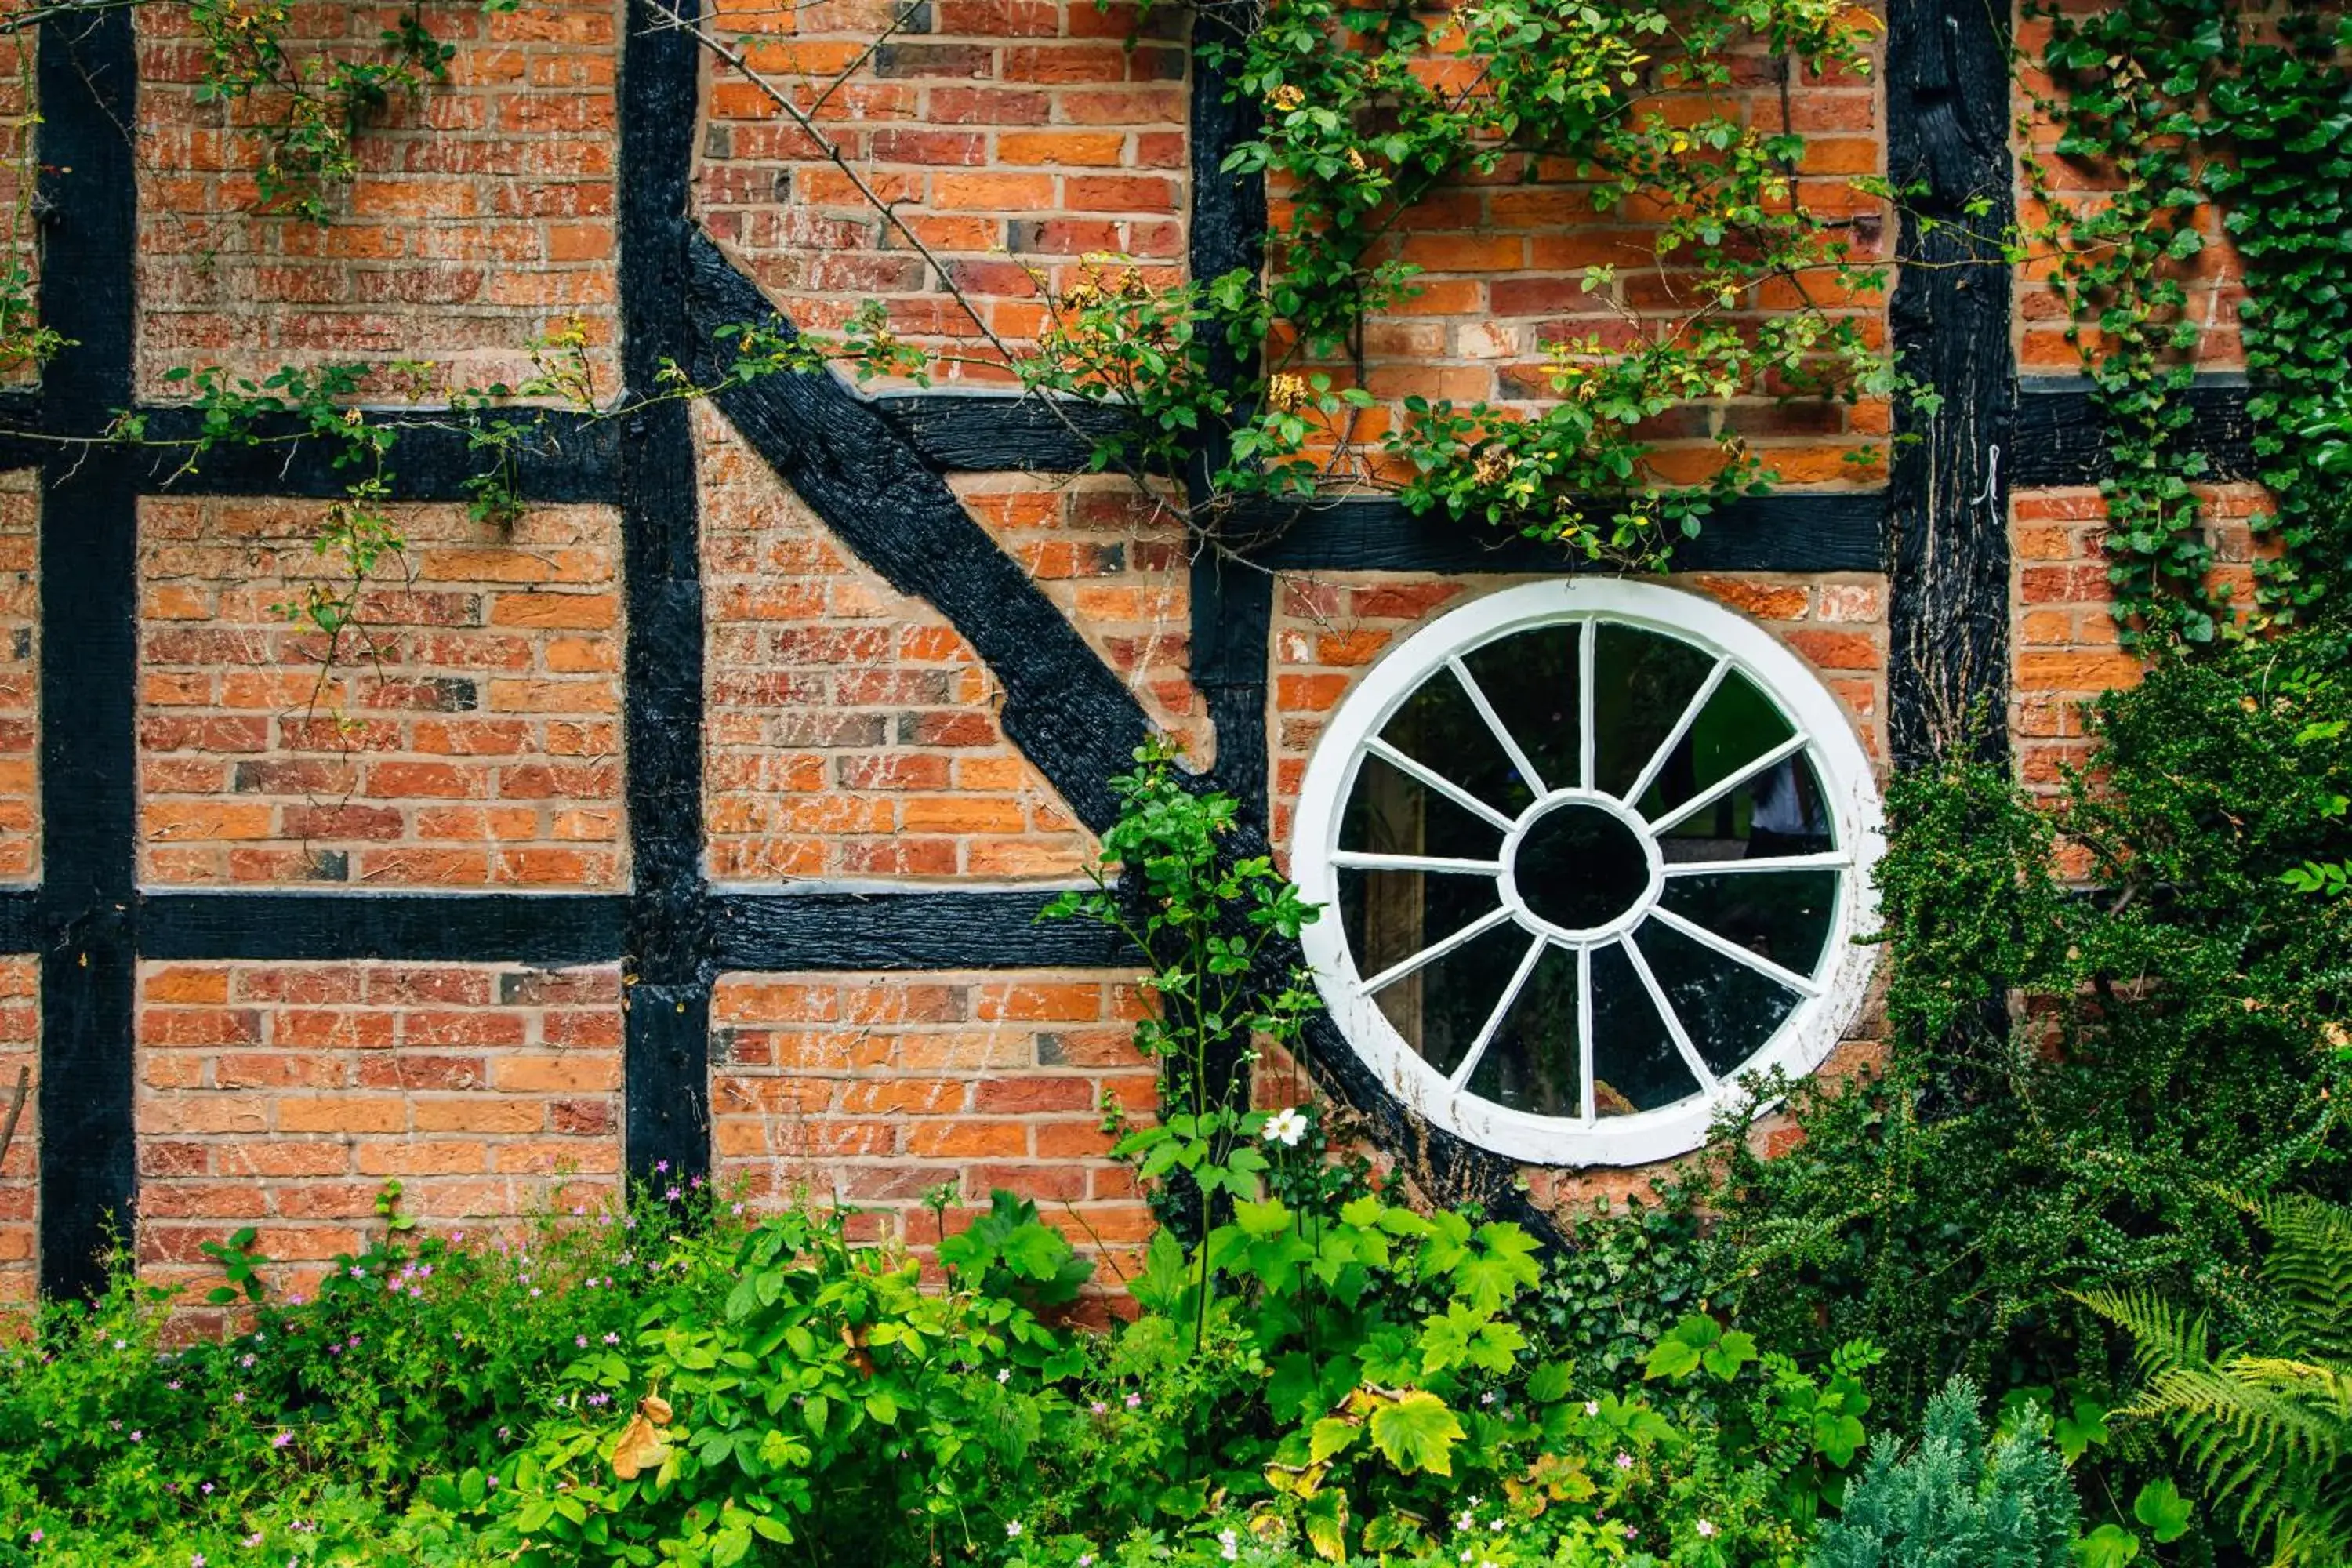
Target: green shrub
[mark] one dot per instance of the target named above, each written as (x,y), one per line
(1955,1501)
(2268,1427)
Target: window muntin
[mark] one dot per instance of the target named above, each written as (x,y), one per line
(1591,850)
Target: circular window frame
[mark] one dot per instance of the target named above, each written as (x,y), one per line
(1841,978)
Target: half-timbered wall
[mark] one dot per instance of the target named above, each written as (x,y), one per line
(697,822)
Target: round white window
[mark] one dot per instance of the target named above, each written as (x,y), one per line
(1589,850)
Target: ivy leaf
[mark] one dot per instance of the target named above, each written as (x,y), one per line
(2109,1546)
(1417,1433)
(2163,1510)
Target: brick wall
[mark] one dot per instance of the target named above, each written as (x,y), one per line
(2063,633)
(283,1096)
(851,733)
(1117,562)
(20,678)
(20,1182)
(1021,136)
(472,739)
(483,217)
(880,1089)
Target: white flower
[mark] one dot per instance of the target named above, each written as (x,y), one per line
(1286,1127)
(1707,1527)
(1593,1407)
(1012,1529)
(1228,1545)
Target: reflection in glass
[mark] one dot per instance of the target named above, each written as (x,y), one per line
(1530,680)
(1636,1064)
(1728,1009)
(1783,915)
(1641,683)
(1442,729)
(1531,1064)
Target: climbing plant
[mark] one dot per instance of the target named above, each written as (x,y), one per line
(2243,107)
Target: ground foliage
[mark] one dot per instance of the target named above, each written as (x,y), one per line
(2172,1048)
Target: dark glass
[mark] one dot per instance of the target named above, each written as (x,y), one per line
(1394,813)
(1440,728)
(1738,725)
(1641,684)
(1783,810)
(1728,1009)
(1440,1007)
(1531,681)
(1635,1066)
(1783,915)
(1580,866)
(1531,1065)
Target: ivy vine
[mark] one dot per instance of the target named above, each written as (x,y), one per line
(2245,106)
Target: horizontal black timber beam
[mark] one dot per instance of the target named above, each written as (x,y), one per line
(1065,708)
(2061,440)
(560,455)
(1837,530)
(552,929)
(992,433)
(903,930)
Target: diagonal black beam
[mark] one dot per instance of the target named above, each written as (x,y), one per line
(1069,713)
(87,78)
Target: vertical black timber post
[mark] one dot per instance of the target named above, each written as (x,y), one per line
(666,1080)
(1233,602)
(1947,108)
(86,77)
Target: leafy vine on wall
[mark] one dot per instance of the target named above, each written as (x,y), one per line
(2244,106)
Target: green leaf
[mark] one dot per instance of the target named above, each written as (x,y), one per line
(2163,1510)
(1330,1435)
(2109,1546)
(1417,1433)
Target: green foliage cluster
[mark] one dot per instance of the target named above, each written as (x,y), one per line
(1955,1501)
(678,1383)
(2086,1088)
(2246,106)
(2267,1424)
(1359,130)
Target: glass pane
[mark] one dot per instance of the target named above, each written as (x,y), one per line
(1440,1007)
(1580,866)
(1738,725)
(1531,1065)
(1635,1066)
(1783,810)
(1641,684)
(1530,680)
(1440,728)
(1728,1009)
(1784,915)
(1392,812)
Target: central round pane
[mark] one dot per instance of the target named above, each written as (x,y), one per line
(1580,866)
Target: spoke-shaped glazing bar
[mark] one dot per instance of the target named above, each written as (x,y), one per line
(1438,782)
(1376,860)
(1739,954)
(1586,1107)
(1666,1014)
(1501,1009)
(1435,950)
(1471,689)
(1826,861)
(1691,712)
(1727,782)
(1588,722)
